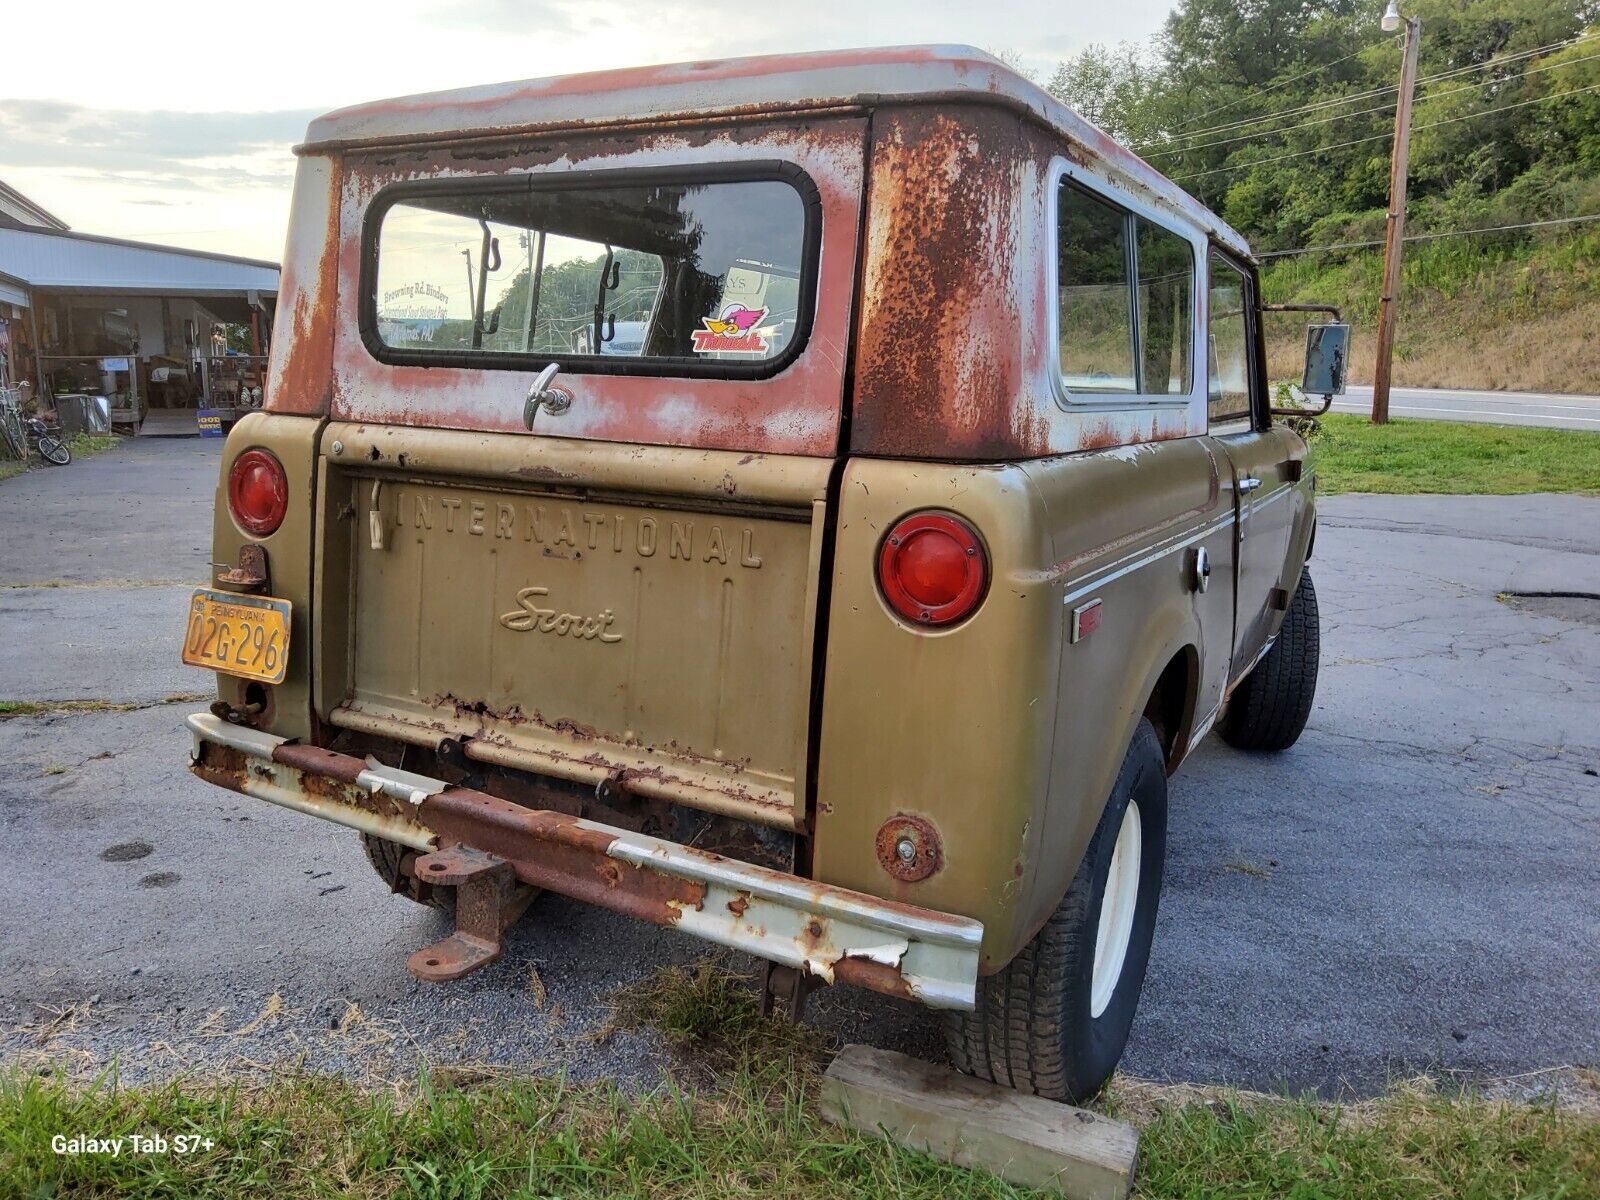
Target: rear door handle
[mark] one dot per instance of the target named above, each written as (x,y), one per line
(1249,484)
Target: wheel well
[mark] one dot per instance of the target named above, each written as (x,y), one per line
(1171,703)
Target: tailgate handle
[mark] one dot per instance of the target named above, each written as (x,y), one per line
(375,516)
(555,400)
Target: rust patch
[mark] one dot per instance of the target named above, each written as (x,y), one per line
(739,903)
(939,369)
(872,975)
(909,847)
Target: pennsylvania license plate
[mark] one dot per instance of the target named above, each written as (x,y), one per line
(247,636)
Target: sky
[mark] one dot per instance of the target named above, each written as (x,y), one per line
(174,124)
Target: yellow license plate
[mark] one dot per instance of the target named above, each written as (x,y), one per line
(247,636)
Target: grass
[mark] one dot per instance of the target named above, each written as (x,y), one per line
(1454,458)
(751,1130)
(40,708)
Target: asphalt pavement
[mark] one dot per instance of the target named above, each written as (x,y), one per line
(1414,886)
(1545,410)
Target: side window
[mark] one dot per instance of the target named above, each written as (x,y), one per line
(1166,310)
(1228,392)
(1095,303)
(1125,301)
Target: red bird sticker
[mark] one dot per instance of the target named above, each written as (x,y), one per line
(736,331)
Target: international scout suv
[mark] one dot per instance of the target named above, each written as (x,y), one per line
(814,502)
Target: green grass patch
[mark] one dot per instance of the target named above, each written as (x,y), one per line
(1452,458)
(483,1134)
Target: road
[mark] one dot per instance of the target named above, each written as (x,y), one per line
(1546,410)
(1413,887)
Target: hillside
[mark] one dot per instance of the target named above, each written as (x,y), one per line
(1493,315)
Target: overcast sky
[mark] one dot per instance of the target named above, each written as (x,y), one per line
(171,123)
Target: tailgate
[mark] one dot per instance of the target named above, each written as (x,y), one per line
(582,610)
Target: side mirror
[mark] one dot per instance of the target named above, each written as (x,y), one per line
(1327,360)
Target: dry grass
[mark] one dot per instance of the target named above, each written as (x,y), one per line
(1551,352)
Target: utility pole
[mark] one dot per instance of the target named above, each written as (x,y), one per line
(1394,236)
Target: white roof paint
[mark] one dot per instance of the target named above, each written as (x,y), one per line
(53,259)
(897,74)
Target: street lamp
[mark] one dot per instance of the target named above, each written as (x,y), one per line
(1391,17)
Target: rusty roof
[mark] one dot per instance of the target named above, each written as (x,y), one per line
(758,85)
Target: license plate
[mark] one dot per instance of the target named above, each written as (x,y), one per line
(247,636)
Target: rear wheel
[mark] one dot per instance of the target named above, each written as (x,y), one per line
(1269,710)
(388,859)
(1055,1021)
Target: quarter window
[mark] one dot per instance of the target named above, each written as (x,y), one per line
(1125,301)
(1095,301)
(1228,391)
(1166,310)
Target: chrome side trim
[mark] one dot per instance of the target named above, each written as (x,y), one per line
(1143,558)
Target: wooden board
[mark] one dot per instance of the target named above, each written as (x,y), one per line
(1026,1140)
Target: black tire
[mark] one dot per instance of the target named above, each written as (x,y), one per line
(1034,1028)
(1268,711)
(388,860)
(54,450)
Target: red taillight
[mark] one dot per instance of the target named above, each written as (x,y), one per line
(258,492)
(933,569)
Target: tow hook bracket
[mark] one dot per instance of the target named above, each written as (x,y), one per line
(489,899)
(792,985)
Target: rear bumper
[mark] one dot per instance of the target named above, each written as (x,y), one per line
(835,934)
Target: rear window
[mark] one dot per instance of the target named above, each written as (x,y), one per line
(625,275)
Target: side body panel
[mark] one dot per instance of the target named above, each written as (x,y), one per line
(1002,733)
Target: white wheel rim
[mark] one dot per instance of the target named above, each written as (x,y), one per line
(1117,907)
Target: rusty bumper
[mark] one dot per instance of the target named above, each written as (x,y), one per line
(835,934)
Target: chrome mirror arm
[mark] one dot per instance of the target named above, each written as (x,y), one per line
(540,393)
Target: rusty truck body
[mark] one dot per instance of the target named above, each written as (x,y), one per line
(807,501)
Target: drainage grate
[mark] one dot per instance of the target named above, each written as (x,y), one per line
(1582,608)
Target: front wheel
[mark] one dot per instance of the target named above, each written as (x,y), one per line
(1269,710)
(53,450)
(1055,1021)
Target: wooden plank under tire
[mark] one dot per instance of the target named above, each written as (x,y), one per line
(1024,1139)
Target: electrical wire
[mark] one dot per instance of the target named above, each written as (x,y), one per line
(1378,137)
(1270,87)
(1428,237)
(1382,108)
(1336,102)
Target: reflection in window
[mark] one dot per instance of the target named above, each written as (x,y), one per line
(1228,393)
(1095,303)
(1166,326)
(696,271)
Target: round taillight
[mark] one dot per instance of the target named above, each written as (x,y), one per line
(258,492)
(933,569)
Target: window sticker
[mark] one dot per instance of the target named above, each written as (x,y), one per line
(737,331)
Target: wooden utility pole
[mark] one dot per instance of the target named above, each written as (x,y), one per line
(1394,237)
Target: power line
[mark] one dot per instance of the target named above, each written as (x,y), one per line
(1378,137)
(1338,101)
(1382,108)
(1270,87)
(1428,237)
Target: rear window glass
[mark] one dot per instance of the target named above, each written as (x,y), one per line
(697,274)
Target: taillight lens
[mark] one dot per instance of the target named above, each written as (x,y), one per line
(932,569)
(258,492)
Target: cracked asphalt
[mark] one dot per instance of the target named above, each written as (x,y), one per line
(1414,887)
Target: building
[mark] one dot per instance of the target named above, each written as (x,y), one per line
(145,325)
